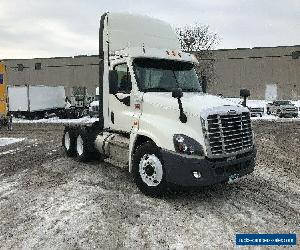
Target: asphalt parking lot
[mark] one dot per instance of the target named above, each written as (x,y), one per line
(49,201)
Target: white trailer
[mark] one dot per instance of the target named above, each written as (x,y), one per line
(35,101)
(154,119)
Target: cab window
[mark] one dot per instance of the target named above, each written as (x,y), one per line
(124,80)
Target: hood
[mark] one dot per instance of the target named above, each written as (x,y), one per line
(193,103)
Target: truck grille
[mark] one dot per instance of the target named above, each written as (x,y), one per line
(229,133)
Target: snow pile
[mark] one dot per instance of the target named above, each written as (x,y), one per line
(8,141)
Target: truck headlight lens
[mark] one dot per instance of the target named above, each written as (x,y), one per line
(186,145)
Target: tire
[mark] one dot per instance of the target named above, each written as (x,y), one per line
(85,149)
(148,170)
(268,112)
(69,142)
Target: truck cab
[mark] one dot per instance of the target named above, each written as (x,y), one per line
(154,119)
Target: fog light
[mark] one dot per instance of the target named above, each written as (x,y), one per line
(197,174)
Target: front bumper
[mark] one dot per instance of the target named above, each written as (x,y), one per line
(179,168)
(289,113)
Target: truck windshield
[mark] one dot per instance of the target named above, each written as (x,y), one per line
(155,75)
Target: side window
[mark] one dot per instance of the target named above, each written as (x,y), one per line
(1,78)
(124,80)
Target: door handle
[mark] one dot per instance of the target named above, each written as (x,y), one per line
(112,117)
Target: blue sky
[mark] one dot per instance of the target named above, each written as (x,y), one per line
(43,28)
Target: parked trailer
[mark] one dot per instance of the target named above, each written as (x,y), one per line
(36,101)
(154,119)
(4,118)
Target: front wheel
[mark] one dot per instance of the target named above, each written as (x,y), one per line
(148,170)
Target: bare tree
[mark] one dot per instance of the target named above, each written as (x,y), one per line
(200,40)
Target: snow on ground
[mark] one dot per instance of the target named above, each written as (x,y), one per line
(7,141)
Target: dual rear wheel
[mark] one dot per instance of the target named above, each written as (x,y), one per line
(77,143)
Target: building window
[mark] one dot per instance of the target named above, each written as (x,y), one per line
(296,54)
(20,67)
(38,66)
(1,78)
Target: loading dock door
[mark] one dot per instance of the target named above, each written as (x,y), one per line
(271,92)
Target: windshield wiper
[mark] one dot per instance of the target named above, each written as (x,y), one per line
(191,90)
(159,89)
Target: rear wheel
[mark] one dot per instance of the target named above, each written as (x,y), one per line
(69,142)
(85,149)
(148,170)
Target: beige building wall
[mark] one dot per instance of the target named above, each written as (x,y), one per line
(256,68)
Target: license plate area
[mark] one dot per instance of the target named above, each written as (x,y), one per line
(228,169)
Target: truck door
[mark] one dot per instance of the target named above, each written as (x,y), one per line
(3,92)
(120,104)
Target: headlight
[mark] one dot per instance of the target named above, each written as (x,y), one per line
(186,145)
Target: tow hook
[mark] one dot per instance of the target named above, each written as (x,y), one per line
(233,177)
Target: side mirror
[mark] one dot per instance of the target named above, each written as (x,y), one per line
(177,93)
(113,82)
(244,92)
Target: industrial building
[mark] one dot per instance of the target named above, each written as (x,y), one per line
(270,73)
(71,72)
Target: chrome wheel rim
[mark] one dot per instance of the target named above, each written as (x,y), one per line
(67,141)
(151,170)
(79,145)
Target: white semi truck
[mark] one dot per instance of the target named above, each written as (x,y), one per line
(154,119)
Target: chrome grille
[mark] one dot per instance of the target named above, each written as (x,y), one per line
(229,133)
